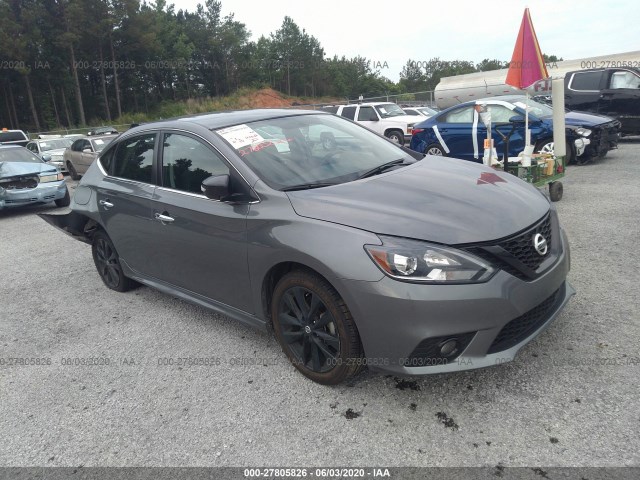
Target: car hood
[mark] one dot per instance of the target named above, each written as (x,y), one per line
(12,169)
(404,119)
(583,119)
(441,200)
(57,151)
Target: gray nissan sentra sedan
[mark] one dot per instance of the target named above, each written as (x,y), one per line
(356,252)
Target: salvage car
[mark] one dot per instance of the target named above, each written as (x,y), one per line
(26,179)
(363,255)
(459,133)
(82,153)
(51,150)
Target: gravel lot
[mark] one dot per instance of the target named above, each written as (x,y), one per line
(570,398)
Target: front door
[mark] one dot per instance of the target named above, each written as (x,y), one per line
(198,244)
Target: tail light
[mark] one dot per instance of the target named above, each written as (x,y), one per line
(418,130)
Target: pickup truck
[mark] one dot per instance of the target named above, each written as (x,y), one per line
(384,118)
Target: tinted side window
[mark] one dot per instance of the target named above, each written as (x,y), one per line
(349,112)
(366,114)
(586,81)
(460,115)
(330,109)
(186,162)
(32,147)
(410,112)
(134,158)
(76,145)
(107,160)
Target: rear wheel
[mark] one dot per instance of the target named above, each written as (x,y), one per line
(315,329)
(72,171)
(107,262)
(435,149)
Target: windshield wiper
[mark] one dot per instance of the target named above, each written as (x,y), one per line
(380,168)
(307,186)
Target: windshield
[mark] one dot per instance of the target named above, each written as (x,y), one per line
(55,144)
(310,149)
(536,108)
(427,111)
(390,110)
(100,143)
(18,155)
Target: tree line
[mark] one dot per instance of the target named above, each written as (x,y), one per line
(75,62)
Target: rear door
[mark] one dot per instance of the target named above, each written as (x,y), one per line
(198,244)
(582,90)
(124,198)
(455,128)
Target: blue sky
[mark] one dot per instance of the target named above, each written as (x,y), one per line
(393,32)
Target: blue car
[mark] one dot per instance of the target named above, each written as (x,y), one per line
(459,132)
(26,179)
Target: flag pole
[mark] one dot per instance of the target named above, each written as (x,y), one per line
(527,134)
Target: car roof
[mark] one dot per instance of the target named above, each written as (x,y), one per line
(214,121)
(11,146)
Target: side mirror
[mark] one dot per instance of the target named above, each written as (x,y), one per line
(216,187)
(46,157)
(87,150)
(516,119)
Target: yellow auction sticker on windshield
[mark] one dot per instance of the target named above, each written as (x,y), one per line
(240,135)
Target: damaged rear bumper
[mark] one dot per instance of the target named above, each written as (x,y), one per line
(72,223)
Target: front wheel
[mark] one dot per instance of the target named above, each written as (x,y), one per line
(395,136)
(555,191)
(64,201)
(545,146)
(72,171)
(107,262)
(315,329)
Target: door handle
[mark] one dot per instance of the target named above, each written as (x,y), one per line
(106,204)
(164,218)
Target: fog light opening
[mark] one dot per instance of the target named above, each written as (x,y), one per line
(449,348)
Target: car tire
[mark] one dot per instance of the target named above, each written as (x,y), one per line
(435,149)
(544,146)
(396,136)
(555,191)
(72,171)
(64,201)
(107,262)
(315,328)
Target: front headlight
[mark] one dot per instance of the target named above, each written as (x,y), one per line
(585,132)
(51,178)
(415,261)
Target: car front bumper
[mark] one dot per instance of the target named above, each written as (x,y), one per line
(43,193)
(398,321)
